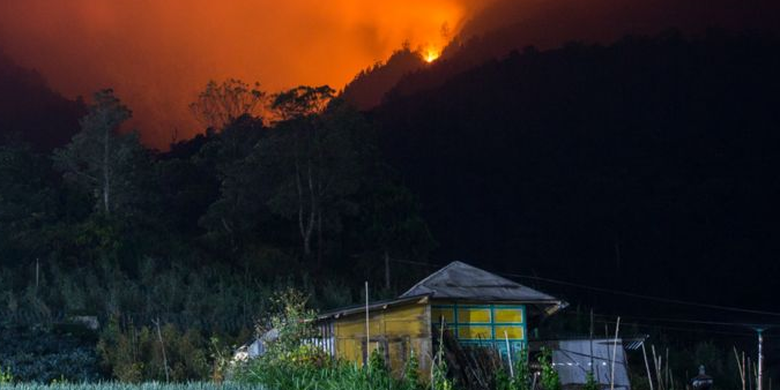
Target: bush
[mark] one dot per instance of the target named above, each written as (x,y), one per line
(135,354)
(127,386)
(41,355)
(590,382)
(411,379)
(5,376)
(290,363)
(549,377)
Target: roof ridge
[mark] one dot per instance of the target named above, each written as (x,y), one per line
(461,280)
(440,270)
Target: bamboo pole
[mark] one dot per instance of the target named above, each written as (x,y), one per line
(162,346)
(656,365)
(614,356)
(760,365)
(740,367)
(669,382)
(647,366)
(368,331)
(509,355)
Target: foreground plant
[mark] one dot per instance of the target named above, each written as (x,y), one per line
(5,376)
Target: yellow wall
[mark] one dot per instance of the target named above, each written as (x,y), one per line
(399,330)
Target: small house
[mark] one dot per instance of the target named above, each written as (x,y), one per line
(478,307)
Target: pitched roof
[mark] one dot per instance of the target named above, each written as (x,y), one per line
(462,281)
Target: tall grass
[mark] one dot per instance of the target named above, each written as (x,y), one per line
(130,386)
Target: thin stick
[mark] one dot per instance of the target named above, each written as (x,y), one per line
(740,368)
(162,346)
(669,383)
(509,355)
(647,366)
(614,355)
(368,331)
(37,276)
(749,374)
(591,341)
(656,363)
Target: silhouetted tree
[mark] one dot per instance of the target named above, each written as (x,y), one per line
(221,104)
(235,216)
(310,146)
(99,159)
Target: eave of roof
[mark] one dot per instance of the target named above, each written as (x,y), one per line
(374,306)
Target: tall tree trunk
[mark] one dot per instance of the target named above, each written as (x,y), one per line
(306,227)
(319,239)
(106,174)
(312,211)
(387,270)
(301,227)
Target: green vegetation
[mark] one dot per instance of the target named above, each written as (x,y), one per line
(549,377)
(129,386)
(590,382)
(5,376)
(30,354)
(291,364)
(177,255)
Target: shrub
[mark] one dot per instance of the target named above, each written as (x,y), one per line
(549,378)
(135,354)
(590,382)
(43,355)
(290,363)
(439,379)
(411,379)
(5,376)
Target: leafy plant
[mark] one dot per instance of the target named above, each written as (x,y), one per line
(377,364)
(522,379)
(549,378)
(439,379)
(292,324)
(590,382)
(502,380)
(5,376)
(411,379)
(522,375)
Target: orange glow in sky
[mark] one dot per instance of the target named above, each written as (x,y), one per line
(157,54)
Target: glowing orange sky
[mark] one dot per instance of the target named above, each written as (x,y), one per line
(157,54)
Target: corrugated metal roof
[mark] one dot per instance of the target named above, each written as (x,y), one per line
(459,280)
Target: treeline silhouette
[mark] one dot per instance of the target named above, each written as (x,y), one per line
(31,112)
(652,159)
(506,25)
(368,88)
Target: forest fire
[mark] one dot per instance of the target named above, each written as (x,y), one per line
(431,55)
(156,55)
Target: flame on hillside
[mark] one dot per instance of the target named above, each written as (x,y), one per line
(157,55)
(430,55)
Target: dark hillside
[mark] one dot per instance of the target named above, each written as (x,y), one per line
(513,25)
(31,112)
(369,86)
(652,157)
